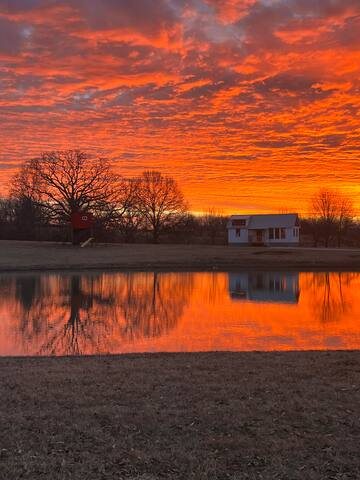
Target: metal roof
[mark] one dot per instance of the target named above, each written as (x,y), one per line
(281,220)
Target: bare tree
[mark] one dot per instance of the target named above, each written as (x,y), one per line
(214,225)
(20,217)
(334,213)
(131,219)
(345,217)
(68,181)
(160,202)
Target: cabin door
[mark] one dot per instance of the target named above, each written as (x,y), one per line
(259,236)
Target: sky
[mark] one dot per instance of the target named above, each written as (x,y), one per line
(251,105)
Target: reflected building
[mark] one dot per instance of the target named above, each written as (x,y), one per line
(267,287)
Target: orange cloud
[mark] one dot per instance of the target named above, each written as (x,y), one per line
(248,103)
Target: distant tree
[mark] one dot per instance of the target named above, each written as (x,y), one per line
(6,211)
(20,217)
(345,217)
(214,225)
(324,207)
(160,202)
(131,221)
(68,181)
(333,213)
(6,217)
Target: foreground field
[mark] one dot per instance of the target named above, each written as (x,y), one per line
(37,255)
(181,416)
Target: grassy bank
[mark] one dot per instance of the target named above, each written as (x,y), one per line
(181,416)
(39,256)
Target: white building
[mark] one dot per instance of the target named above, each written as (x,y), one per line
(280,229)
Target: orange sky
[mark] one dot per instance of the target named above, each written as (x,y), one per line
(250,104)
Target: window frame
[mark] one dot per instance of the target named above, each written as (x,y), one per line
(239,222)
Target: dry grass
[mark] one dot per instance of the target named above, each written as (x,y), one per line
(37,255)
(181,416)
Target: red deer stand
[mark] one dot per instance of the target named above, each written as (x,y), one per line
(82,227)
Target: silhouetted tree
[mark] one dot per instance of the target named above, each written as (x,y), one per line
(160,202)
(333,213)
(131,221)
(68,181)
(345,217)
(20,217)
(214,225)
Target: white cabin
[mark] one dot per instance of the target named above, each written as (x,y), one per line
(271,230)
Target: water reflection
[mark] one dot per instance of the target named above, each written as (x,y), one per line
(266,287)
(67,314)
(331,294)
(76,314)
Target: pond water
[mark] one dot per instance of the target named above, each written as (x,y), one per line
(103,313)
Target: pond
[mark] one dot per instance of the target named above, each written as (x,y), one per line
(110,313)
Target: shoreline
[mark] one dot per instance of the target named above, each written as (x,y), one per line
(22,256)
(180,354)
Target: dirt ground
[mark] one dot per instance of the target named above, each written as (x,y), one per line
(181,416)
(15,255)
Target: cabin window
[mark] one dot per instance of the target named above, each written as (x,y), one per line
(277,233)
(238,232)
(239,222)
(296,232)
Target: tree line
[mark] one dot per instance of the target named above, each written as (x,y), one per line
(48,190)
(151,207)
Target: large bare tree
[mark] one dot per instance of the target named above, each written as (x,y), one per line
(64,182)
(334,213)
(160,202)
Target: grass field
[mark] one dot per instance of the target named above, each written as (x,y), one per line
(15,255)
(181,416)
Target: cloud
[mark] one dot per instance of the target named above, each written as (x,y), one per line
(218,93)
(10,37)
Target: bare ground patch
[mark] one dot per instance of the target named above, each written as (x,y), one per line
(20,256)
(181,416)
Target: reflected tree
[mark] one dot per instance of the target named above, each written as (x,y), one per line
(28,294)
(153,302)
(74,314)
(84,329)
(330,294)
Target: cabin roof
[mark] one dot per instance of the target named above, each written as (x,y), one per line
(280,220)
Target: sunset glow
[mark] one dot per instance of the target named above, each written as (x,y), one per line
(250,104)
(55,314)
